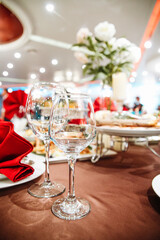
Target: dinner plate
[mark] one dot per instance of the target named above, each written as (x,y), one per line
(62,158)
(156,185)
(129,131)
(39,168)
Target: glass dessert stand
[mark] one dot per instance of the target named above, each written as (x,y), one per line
(119,139)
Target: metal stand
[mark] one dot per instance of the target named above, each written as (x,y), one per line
(100,150)
(122,144)
(151,149)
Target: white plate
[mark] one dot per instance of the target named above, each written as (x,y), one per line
(38,171)
(24,135)
(156,185)
(62,159)
(129,131)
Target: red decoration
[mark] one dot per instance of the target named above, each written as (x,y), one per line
(14,104)
(13,148)
(104,104)
(78,121)
(10,27)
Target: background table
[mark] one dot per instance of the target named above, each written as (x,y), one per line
(123,204)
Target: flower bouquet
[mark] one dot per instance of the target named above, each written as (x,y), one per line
(102,54)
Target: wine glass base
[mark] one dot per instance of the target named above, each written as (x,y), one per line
(46,190)
(71,210)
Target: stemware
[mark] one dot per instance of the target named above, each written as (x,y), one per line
(75,135)
(38,109)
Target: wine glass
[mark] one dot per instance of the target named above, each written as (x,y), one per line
(75,135)
(38,109)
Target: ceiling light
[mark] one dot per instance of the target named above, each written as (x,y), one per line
(157,67)
(0,83)
(10,90)
(76,76)
(148,44)
(69,74)
(57,79)
(5,73)
(10,65)
(50,7)
(144,73)
(59,76)
(17,55)
(158,50)
(54,61)
(33,76)
(42,70)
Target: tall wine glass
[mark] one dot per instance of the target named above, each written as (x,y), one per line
(75,135)
(38,109)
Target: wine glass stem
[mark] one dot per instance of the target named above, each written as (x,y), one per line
(71,163)
(47,146)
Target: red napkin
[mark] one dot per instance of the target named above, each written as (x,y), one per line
(104,103)
(78,121)
(13,148)
(15,103)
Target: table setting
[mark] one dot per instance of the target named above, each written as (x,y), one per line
(74,166)
(115,187)
(68,120)
(103,188)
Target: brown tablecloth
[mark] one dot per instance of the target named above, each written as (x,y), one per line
(123,204)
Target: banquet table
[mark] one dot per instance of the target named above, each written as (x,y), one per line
(119,189)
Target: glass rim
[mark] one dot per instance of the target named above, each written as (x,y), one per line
(44,83)
(47,84)
(78,94)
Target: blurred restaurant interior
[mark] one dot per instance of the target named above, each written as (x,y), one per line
(25,59)
(109,50)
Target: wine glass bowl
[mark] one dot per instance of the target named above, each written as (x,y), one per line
(76,134)
(38,110)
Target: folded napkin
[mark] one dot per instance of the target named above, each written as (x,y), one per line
(13,148)
(14,104)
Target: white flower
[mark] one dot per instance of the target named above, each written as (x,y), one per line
(104,53)
(135,53)
(104,62)
(132,53)
(121,42)
(123,57)
(82,35)
(104,31)
(112,41)
(81,57)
